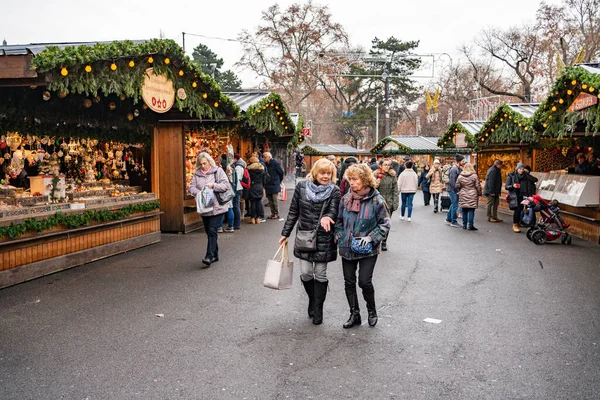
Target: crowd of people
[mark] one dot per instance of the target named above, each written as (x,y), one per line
(344,209)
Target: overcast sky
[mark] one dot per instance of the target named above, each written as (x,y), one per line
(440,25)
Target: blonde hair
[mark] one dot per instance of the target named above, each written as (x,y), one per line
(206,156)
(322,165)
(468,167)
(363,172)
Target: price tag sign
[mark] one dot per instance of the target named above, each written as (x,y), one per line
(158,92)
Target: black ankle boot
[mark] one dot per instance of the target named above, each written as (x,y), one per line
(354,319)
(320,294)
(384,246)
(309,286)
(370,299)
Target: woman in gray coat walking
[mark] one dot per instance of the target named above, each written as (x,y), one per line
(209,175)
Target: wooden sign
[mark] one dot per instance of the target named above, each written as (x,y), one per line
(459,140)
(583,101)
(158,92)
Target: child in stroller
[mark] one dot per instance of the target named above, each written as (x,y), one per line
(550,225)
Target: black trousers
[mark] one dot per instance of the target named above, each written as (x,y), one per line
(211,223)
(427,197)
(365,274)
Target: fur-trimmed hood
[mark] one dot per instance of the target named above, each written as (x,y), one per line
(256,165)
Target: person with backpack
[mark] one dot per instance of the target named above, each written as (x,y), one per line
(258,180)
(273,186)
(241,181)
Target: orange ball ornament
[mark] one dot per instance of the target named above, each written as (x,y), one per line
(88,68)
(64,72)
(113,67)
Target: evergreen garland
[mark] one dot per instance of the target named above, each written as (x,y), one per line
(506,126)
(72,221)
(447,139)
(553,117)
(270,114)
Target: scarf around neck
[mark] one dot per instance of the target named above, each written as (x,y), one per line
(353,201)
(318,193)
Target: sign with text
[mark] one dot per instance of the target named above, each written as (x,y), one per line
(158,92)
(459,140)
(583,101)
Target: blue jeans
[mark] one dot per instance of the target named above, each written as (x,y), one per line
(237,212)
(229,214)
(407,200)
(451,216)
(468,216)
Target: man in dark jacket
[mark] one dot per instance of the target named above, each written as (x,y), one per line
(374,165)
(452,192)
(492,190)
(273,186)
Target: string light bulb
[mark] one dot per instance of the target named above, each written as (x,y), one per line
(88,68)
(131,64)
(113,67)
(64,72)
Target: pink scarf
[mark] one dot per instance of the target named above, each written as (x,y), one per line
(353,201)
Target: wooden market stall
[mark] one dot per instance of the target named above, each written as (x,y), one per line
(568,122)
(81,150)
(422,149)
(459,135)
(264,125)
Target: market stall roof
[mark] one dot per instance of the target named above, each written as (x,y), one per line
(468,128)
(265,111)
(36,48)
(572,105)
(95,89)
(327,149)
(408,145)
(509,124)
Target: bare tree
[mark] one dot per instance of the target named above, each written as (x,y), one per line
(285,48)
(505,61)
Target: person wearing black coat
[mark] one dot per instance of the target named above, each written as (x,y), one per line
(492,190)
(258,180)
(519,184)
(424,182)
(273,186)
(314,206)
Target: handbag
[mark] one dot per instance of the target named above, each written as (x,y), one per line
(306,241)
(357,248)
(205,201)
(279,272)
(226,196)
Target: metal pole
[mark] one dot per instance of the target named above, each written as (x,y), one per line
(183,44)
(387,106)
(376,123)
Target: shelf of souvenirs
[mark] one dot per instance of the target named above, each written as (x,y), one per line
(17,203)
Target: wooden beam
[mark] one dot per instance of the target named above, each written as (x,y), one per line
(17,67)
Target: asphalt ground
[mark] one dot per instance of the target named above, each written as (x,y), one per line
(518,321)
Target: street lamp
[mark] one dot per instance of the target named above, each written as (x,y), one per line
(386,77)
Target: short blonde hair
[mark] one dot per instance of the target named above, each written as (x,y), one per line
(363,172)
(206,156)
(468,167)
(322,165)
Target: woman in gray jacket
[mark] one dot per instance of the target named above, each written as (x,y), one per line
(209,175)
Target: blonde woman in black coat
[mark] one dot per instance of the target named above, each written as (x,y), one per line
(315,206)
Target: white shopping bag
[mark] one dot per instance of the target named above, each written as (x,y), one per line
(279,272)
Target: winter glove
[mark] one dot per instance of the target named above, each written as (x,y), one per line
(364,241)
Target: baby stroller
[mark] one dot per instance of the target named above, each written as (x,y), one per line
(549,226)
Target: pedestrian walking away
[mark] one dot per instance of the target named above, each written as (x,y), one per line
(258,179)
(436,186)
(273,186)
(492,190)
(387,184)
(314,207)
(208,175)
(408,184)
(453,175)
(362,224)
(424,183)
(469,190)
(238,167)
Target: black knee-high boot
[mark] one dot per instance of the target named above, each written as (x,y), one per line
(370,299)
(320,294)
(309,286)
(354,319)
